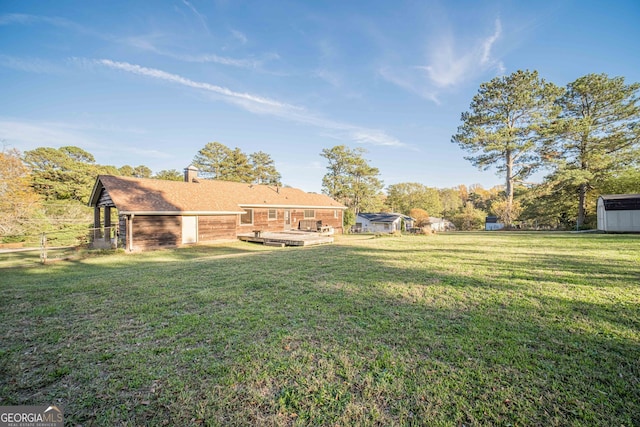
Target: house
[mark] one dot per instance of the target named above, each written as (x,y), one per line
(381,222)
(619,213)
(155,213)
(441,224)
(491,223)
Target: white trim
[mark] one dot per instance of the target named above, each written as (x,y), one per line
(181,213)
(247,205)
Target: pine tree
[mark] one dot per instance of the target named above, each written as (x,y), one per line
(596,134)
(502,127)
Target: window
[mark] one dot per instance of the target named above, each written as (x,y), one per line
(309,214)
(247,217)
(273,214)
(335,213)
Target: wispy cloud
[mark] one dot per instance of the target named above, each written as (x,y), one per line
(27,135)
(151,43)
(262,105)
(240,36)
(25,19)
(29,65)
(201,17)
(448,65)
(219,90)
(488,43)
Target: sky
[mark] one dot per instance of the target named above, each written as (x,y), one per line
(152,82)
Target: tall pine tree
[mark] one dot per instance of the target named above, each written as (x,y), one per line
(596,135)
(502,127)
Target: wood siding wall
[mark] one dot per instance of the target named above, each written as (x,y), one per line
(156,231)
(262,222)
(212,228)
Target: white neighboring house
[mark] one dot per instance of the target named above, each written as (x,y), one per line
(619,213)
(441,224)
(381,222)
(491,223)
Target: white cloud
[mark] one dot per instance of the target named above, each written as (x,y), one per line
(201,17)
(28,135)
(227,93)
(487,44)
(29,65)
(448,65)
(262,105)
(238,35)
(410,81)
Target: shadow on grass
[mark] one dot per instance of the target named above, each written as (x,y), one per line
(340,334)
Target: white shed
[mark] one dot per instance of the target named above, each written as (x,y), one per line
(381,222)
(441,224)
(619,213)
(491,223)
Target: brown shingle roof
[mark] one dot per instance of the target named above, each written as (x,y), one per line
(136,195)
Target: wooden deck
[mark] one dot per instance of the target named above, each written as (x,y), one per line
(286,238)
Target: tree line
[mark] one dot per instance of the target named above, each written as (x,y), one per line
(586,136)
(583,135)
(47,189)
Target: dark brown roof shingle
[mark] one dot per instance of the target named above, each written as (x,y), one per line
(136,195)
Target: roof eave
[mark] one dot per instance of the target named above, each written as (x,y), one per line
(256,205)
(179,213)
(95,193)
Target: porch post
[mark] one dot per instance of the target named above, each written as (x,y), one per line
(107,224)
(96,223)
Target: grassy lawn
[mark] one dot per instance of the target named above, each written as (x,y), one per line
(453,329)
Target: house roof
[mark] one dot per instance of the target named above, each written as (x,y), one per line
(156,197)
(384,217)
(621,202)
(437,220)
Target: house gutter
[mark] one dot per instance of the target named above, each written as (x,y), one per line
(175,213)
(247,205)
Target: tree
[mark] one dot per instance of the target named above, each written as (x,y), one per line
(409,195)
(421,216)
(142,171)
(18,201)
(217,161)
(503,125)
(336,182)
(264,169)
(169,175)
(125,170)
(469,218)
(505,212)
(596,134)
(350,179)
(237,167)
(544,206)
(451,201)
(137,172)
(66,173)
(626,181)
(211,160)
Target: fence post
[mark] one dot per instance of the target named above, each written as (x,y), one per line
(43,248)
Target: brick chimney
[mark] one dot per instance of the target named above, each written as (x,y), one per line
(191,174)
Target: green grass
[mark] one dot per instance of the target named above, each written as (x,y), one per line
(453,329)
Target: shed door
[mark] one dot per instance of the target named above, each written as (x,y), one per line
(189,229)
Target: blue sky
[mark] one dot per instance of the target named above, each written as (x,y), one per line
(150,83)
